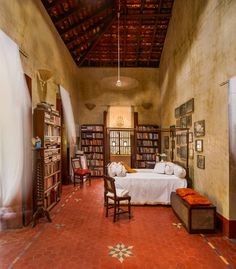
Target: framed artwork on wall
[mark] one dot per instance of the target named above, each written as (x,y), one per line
(199,128)
(183,109)
(190,106)
(199,145)
(183,152)
(189,120)
(177,112)
(183,122)
(201,161)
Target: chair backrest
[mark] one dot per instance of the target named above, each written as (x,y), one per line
(76,164)
(83,160)
(109,185)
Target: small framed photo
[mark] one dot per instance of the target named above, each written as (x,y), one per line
(189,120)
(183,122)
(178,152)
(166,142)
(201,161)
(199,145)
(183,109)
(177,112)
(190,137)
(178,123)
(178,139)
(199,128)
(183,138)
(190,106)
(191,153)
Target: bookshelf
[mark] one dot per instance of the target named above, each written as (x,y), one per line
(92,144)
(147,144)
(47,126)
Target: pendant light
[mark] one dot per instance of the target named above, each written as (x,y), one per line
(118,82)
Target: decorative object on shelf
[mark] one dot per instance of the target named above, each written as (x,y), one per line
(199,145)
(43,76)
(38,143)
(90,106)
(199,128)
(201,161)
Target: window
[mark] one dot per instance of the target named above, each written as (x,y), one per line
(120,142)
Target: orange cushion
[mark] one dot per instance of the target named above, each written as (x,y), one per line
(196,199)
(182,192)
(128,168)
(82,171)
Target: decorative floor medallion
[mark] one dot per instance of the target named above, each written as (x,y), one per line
(120,251)
(178,225)
(59,225)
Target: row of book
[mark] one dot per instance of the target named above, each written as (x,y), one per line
(52,158)
(50,182)
(144,164)
(97,171)
(91,142)
(51,140)
(146,150)
(92,135)
(147,157)
(147,128)
(92,163)
(51,197)
(147,136)
(52,119)
(51,168)
(50,130)
(92,156)
(50,152)
(147,143)
(95,149)
(94,128)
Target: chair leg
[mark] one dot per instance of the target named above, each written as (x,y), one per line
(74,179)
(106,202)
(114,217)
(89,180)
(81,181)
(129,208)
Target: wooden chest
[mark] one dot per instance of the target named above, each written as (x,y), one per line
(196,219)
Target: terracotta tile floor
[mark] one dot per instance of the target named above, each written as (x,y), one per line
(80,236)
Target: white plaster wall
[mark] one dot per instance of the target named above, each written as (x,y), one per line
(200,54)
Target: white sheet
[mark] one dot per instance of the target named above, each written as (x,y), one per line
(147,187)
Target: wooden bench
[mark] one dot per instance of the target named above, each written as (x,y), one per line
(197,218)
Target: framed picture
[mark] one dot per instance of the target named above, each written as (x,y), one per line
(183,152)
(183,109)
(178,123)
(177,112)
(190,106)
(201,161)
(199,128)
(199,145)
(189,120)
(190,137)
(183,122)
(191,153)
(183,138)
(178,139)
(166,142)
(178,152)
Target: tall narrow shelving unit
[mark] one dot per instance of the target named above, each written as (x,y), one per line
(92,144)
(47,126)
(147,145)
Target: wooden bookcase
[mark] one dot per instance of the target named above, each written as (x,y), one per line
(92,144)
(47,126)
(147,144)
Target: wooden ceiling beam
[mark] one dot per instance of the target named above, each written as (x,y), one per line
(52,4)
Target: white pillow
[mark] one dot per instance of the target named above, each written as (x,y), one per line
(179,171)
(169,169)
(116,169)
(120,170)
(110,170)
(159,168)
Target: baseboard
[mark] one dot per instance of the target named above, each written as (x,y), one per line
(228,227)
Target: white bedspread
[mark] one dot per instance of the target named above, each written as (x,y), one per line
(147,187)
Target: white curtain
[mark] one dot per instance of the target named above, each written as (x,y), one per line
(15,128)
(69,116)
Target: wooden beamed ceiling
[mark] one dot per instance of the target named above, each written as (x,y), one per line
(89,29)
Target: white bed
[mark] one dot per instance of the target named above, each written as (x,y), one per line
(148,187)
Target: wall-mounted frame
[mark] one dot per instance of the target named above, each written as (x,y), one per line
(190,137)
(177,112)
(199,145)
(178,151)
(183,109)
(178,139)
(183,152)
(177,123)
(189,120)
(183,138)
(199,128)
(190,106)
(183,122)
(201,161)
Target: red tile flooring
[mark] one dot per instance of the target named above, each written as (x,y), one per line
(80,236)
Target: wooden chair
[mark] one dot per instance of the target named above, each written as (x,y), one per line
(79,172)
(116,195)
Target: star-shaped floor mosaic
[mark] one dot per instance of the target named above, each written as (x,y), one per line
(120,251)
(178,225)
(59,225)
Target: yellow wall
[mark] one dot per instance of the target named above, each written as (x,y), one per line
(199,55)
(93,88)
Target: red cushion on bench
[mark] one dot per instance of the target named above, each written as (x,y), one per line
(82,171)
(196,199)
(182,192)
